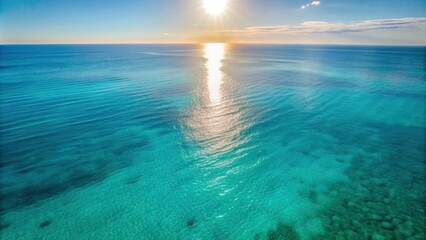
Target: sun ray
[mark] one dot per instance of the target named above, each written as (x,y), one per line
(214,7)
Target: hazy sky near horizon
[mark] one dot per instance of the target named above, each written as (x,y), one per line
(260,21)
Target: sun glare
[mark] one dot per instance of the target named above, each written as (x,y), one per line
(214,53)
(214,7)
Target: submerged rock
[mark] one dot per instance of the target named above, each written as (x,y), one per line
(375,217)
(191,223)
(257,236)
(404,231)
(45,224)
(356,223)
(132,180)
(335,218)
(377,236)
(387,225)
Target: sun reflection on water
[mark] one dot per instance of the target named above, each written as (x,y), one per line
(214,53)
(216,120)
(217,123)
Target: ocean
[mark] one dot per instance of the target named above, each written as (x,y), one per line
(212,141)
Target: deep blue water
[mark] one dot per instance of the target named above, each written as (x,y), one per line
(212,141)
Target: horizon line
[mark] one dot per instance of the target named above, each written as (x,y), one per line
(193,43)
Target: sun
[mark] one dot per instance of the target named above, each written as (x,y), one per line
(214,7)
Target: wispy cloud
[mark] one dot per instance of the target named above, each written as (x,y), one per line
(326,27)
(314,3)
(380,31)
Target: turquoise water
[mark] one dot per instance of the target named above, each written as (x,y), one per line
(212,141)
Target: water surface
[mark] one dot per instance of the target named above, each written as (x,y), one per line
(212,141)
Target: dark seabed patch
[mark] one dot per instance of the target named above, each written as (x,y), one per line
(4,225)
(131,145)
(59,179)
(282,232)
(379,204)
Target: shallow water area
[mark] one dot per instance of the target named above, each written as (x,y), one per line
(212,141)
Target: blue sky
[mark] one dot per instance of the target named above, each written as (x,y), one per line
(274,21)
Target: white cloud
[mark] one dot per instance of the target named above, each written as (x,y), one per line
(380,31)
(314,3)
(326,27)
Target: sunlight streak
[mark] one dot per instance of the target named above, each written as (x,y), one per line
(216,118)
(214,53)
